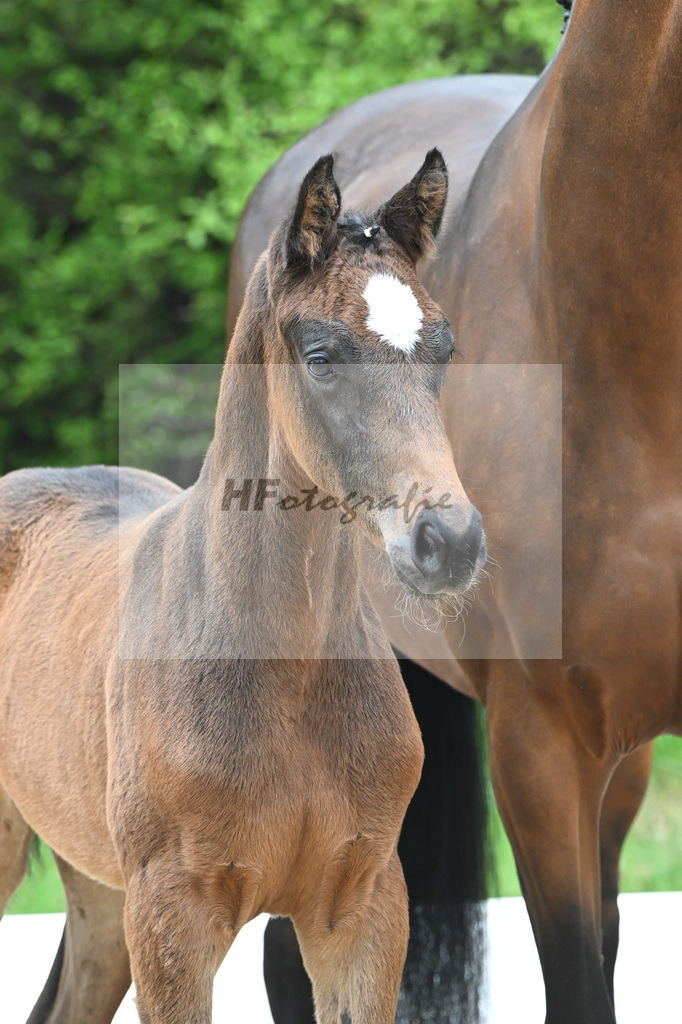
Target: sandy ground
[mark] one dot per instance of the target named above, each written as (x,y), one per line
(647,985)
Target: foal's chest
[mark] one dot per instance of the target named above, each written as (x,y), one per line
(278,763)
(279,728)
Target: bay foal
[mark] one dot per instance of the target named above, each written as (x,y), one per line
(198,708)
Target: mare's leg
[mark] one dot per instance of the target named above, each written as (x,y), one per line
(286,980)
(357,964)
(549,786)
(178,931)
(15,842)
(621,803)
(91,973)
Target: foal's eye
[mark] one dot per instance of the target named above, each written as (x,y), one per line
(319,367)
(450,355)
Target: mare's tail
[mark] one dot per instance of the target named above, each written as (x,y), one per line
(443,849)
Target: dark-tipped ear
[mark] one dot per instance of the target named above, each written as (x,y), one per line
(312,232)
(412,217)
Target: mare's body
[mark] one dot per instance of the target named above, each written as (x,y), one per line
(562,244)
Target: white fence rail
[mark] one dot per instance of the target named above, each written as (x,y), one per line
(647,976)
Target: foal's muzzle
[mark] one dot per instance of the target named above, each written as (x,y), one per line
(442,559)
(447,560)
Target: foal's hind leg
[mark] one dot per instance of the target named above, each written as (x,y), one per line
(15,842)
(621,803)
(91,972)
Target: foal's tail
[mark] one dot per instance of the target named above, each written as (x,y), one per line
(443,849)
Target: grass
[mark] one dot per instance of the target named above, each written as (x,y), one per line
(652,858)
(41,891)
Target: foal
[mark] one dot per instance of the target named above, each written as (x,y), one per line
(197,704)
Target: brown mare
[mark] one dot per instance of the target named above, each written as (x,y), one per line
(199,711)
(562,243)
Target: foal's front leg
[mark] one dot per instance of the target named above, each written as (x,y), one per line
(356,965)
(176,944)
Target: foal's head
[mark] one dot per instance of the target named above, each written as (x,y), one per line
(361,352)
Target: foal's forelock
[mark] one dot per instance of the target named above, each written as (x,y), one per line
(359,271)
(373,297)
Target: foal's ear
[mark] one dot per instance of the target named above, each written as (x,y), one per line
(312,232)
(412,217)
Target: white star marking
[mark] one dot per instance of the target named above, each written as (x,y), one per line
(394,313)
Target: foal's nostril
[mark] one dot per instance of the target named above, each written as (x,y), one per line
(444,557)
(432,542)
(429,548)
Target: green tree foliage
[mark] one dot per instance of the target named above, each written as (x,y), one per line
(132,134)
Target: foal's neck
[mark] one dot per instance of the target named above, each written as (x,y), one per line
(293,571)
